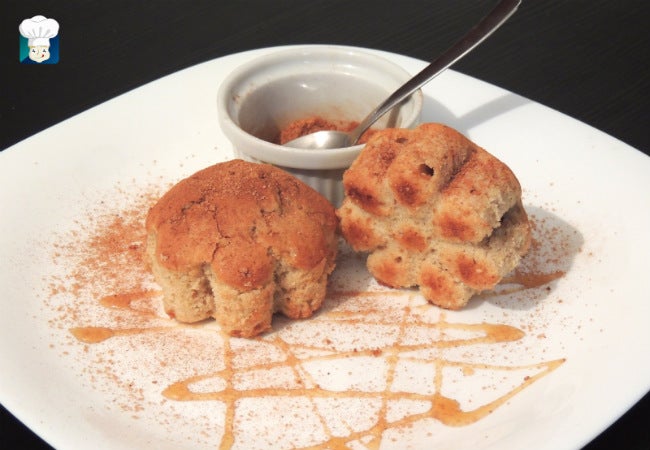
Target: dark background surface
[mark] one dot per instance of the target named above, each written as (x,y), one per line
(585,58)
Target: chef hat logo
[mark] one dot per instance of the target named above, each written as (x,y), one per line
(39,30)
(39,41)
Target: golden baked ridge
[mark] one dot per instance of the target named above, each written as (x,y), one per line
(239,241)
(432,209)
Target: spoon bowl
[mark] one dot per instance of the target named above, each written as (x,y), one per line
(322,140)
(271,90)
(337,139)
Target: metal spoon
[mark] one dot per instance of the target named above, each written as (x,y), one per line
(340,139)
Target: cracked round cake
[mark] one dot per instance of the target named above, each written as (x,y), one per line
(239,241)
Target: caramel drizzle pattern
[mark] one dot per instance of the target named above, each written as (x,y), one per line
(444,409)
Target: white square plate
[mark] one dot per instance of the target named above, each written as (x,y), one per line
(545,367)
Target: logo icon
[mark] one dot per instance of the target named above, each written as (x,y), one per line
(39,41)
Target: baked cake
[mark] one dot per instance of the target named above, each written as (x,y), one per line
(239,241)
(433,209)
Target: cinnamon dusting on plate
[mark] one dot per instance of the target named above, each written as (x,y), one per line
(360,351)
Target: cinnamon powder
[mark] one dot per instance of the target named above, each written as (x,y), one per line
(104,255)
(303,127)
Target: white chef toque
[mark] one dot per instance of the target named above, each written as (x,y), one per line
(39,30)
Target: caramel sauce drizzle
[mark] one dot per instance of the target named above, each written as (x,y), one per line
(444,409)
(521,281)
(95,335)
(124,300)
(532,280)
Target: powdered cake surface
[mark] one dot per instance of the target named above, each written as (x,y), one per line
(434,210)
(239,241)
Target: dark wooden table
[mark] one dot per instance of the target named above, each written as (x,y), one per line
(585,58)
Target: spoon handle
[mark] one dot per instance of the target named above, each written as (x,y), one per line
(475,36)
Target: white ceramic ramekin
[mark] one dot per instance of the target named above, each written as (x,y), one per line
(261,97)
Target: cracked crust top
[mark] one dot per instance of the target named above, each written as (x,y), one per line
(240,228)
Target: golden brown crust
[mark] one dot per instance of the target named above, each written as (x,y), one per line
(434,210)
(229,241)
